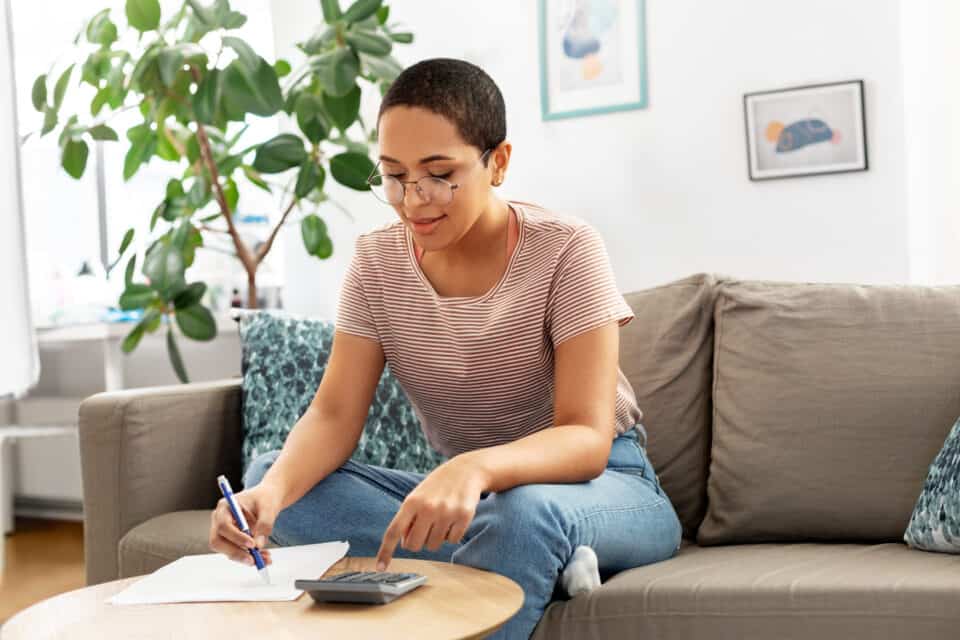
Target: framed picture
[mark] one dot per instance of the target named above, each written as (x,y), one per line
(805,131)
(592,57)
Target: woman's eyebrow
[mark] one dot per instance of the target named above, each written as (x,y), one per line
(432,158)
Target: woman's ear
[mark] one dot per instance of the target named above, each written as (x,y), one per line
(500,160)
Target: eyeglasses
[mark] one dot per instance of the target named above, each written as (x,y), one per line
(432,190)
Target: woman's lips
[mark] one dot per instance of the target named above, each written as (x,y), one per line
(428,226)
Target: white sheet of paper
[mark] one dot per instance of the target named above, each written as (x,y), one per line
(213,577)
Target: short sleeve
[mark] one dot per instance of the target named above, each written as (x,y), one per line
(353,308)
(584,293)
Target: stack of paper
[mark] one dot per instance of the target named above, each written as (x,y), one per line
(215,578)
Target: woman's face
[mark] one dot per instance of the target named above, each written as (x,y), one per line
(415,142)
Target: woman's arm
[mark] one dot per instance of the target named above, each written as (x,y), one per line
(577,447)
(327,433)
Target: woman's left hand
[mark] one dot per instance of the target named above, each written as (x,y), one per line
(438,510)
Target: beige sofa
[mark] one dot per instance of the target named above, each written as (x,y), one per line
(791,424)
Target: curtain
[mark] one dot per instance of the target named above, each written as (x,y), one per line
(19,360)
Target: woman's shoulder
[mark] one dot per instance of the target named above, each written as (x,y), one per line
(387,237)
(549,224)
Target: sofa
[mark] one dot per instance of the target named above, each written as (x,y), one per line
(792,424)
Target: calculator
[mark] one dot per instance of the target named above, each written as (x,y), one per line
(361,587)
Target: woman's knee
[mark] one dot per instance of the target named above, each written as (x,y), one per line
(258,468)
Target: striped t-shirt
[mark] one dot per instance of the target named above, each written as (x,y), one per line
(479,370)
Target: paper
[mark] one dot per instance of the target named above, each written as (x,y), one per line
(215,578)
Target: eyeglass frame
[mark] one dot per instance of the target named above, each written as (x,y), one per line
(403,183)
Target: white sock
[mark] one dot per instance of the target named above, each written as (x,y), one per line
(582,573)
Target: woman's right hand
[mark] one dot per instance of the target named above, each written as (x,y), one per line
(260,506)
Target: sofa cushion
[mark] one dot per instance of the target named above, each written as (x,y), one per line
(284,356)
(782,591)
(163,539)
(829,402)
(667,355)
(935,522)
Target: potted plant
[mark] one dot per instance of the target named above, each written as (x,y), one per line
(194,82)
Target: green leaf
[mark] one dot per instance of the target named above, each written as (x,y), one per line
(164,266)
(310,117)
(197,322)
(190,296)
(361,9)
(386,68)
(176,360)
(382,14)
(143,143)
(280,153)
(331,10)
(61,87)
(128,274)
(133,338)
(255,92)
(203,14)
(74,158)
(313,229)
(308,178)
(199,193)
(101,30)
(136,296)
(369,42)
(254,177)
(352,170)
(343,110)
(169,61)
(403,37)
(103,132)
(143,15)
(339,73)
(127,239)
(165,148)
(206,101)
(245,53)
(231,194)
(39,93)
(49,121)
(325,248)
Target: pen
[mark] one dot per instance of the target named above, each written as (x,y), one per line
(242,524)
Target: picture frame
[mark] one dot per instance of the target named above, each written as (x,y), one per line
(806,130)
(592,57)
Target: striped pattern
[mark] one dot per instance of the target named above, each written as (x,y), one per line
(479,370)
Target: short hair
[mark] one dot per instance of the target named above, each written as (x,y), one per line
(457,90)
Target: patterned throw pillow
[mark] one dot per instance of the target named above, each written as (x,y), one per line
(935,523)
(284,357)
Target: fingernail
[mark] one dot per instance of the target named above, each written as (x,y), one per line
(249,544)
(261,541)
(381,566)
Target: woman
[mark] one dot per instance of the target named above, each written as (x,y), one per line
(500,319)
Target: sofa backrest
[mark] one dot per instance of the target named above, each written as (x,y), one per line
(830,401)
(667,354)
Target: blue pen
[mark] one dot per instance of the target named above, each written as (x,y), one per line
(242,524)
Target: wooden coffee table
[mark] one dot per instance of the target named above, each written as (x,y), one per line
(456,602)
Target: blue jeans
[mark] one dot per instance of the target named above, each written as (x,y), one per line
(527,533)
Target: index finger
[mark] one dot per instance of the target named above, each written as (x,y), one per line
(391,537)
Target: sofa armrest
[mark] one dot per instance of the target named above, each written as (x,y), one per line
(149,451)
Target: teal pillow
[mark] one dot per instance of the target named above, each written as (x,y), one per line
(935,523)
(283,360)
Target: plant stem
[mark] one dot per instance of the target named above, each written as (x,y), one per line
(243,252)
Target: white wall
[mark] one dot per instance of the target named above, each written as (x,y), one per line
(667,186)
(931,50)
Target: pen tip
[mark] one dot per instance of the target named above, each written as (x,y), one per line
(265,575)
